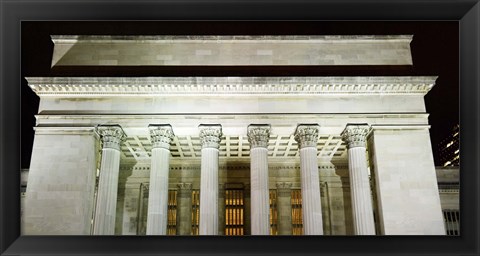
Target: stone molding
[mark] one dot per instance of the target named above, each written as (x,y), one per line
(307,135)
(284,188)
(161,135)
(258,135)
(261,86)
(64,130)
(184,189)
(111,135)
(210,135)
(145,187)
(355,135)
(184,186)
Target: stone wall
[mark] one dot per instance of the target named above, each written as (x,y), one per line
(60,192)
(406,183)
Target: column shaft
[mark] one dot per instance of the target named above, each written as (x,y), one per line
(161,135)
(210,136)
(107,193)
(260,206)
(158,192)
(307,137)
(209,192)
(311,204)
(360,192)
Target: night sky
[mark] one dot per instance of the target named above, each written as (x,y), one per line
(435,52)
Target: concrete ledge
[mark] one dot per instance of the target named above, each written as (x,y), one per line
(231,50)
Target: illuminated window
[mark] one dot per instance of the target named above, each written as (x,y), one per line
(234,210)
(297,218)
(449,144)
(456,151)
(273,212)
(195,212)
(172,213)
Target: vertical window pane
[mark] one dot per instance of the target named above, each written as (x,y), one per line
(297,218)
(273,212)
(195,211)
(234,210)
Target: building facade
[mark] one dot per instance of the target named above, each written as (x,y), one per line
(232,155)
(449,148)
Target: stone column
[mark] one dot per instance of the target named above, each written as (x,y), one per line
(210,136)
(258,136)
(307,137)
(355,136)
(161,136)
(284,208)
(184,209)
(111,136)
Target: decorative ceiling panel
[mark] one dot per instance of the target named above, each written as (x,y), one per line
(188,147)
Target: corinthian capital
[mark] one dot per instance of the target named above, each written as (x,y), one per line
(161,135)
(210,135)
(355,135)
(258,135)
(307,135)
(111,135)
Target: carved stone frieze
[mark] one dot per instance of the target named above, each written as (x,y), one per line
(184,189)
(284,189)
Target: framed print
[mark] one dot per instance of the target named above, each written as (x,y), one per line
(302,128)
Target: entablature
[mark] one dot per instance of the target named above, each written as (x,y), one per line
(229,86)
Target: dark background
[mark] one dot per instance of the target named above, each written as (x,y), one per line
(435,51)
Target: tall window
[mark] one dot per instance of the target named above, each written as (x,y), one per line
(273,212)
(452,222)
(172,213)
(195,212)
(297,219)
(234,209)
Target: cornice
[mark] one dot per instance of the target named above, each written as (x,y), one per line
(228,86)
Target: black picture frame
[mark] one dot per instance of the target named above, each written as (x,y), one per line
(13,12)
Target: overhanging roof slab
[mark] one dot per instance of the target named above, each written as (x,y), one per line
(70,50)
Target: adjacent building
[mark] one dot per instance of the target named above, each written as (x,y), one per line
(449,148)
